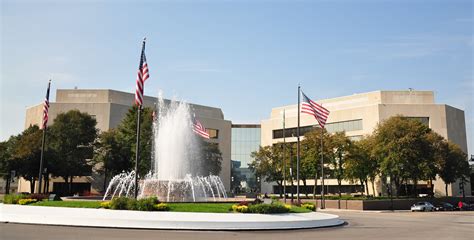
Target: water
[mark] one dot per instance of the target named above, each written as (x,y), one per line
(176,164)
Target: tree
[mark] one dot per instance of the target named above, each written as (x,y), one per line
(267,164)
(110,157)
(360,165)
(25,154)
(72,137)
(403,149)
(311,155)
(341,145)
(127,137)
(452,164)
(6,163)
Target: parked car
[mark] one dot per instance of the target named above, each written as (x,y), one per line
(444,206)
(422,206)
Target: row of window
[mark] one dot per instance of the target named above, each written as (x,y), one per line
(352,125)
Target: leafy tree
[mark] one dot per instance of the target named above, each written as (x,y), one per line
(403,149)
(6,163)
(72,137)
(110,157)
(267,164)
(360,165)
(127,137)
(452,163)
(25,154)
(341,145)
(311,155)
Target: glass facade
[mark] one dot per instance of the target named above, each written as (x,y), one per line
(245,140)
(344,126)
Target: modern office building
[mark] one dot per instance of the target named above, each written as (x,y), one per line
(109,107)
(245,140)
(359,114)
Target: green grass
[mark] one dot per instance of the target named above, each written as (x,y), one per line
(174,207)
(200,207)
(71,204)
(295,209)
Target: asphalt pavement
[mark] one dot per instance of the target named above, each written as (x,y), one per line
(359,225)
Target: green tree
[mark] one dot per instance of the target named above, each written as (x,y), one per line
(311,155)
(25,154)
(403,149)
(6,163)
(127,137)
(360,165)
(110,157)
(267,164)
(341,146)
(72,137)
(452,164)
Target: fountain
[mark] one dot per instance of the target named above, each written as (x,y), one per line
(177,173)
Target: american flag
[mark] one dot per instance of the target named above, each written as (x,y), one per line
(142,76)
(312,108)
(46,107)
(199,129)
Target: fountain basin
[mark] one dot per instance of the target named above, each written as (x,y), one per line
(163,220)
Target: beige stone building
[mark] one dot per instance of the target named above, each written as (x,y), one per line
(109,107)
(359,114)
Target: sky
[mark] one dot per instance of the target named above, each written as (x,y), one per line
(244,57)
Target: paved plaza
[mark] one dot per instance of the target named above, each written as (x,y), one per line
(360,225)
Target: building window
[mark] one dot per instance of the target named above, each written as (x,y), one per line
(213,133)
(345,126)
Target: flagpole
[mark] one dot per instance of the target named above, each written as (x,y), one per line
(139,106)
(284,160)
(323,204)
(40,174)
(137,151)
(298,151)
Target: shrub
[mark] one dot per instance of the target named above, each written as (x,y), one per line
(268,208)
(240,208)
(309,206)
(243,203)
(144,204)
(26,201)
(106,204)
(257,201)
(161,207)
(13,198)
(120,203)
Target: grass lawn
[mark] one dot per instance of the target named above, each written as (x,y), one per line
(72,204)
(174,207)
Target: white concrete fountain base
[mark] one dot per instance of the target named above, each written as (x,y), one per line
(163,220)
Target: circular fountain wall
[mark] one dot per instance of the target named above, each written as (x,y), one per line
(176,164)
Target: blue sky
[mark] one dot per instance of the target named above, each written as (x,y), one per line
(242,56)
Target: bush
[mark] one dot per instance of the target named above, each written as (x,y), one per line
(309,206)
(268,208)
(124,203)
(257,201)
(106,204)
(120,203)
(144,204)
(162,207)
(26,201)
(240,208)
(13,198)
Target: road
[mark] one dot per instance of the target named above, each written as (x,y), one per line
(360,225)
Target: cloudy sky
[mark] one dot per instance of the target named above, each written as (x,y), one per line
(242,56)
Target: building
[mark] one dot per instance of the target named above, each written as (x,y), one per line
(245,140)
(109,107)
(359,114)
